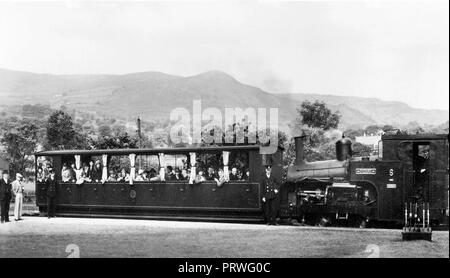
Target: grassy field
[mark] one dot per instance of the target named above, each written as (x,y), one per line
(42,237)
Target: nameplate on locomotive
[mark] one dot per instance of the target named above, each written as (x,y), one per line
(366,171)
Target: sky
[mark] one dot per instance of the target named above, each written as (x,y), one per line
(392,50)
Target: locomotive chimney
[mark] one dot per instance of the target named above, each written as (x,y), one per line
(343,148)
(299,155)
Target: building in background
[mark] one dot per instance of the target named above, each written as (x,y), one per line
(371,141)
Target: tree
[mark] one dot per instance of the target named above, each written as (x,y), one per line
(104,131)
(61,133)
(373,130)
(20,144)
(119,141)
(361,149)
(317,115)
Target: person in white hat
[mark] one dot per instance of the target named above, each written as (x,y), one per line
(18,189)
(139,176)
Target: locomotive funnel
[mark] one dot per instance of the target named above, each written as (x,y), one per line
(343,148)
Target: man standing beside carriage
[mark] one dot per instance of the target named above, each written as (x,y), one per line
(5,196)
(18,190)
(271,199)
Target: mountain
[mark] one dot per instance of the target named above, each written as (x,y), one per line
(152,95)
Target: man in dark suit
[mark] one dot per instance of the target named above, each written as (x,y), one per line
(271,189)
(52,190)
(5,197)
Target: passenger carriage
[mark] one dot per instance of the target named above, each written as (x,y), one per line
(237,200)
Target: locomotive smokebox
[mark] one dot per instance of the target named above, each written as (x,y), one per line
(343,149)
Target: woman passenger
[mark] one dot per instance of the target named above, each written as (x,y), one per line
(97,172)
(123,176)
(40,174)
(111,176)
(178,174)
(200,177)
(66,174)
(184,174)
(83,177)
(139,176)
(220,178)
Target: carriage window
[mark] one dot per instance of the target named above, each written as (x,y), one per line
(176,166)
(88,168)
(44,166)
(147,167)
(119,168)
(239,166)
(209,164)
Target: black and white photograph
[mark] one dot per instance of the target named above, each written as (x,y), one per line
(224,134)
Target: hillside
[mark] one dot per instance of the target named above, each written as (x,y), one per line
(152,95)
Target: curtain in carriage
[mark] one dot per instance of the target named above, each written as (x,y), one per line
(78,168)
(193,160)
(105,168)
(162,166)
(132,157)
(226,156)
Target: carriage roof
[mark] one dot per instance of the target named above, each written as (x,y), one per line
(150,150)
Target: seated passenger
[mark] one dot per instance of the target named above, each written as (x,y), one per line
(49,170)
(73,171)
(140,175)
(170,175)
(184,175)
(111,176)
(85,172)
(146,175)
(246,175)
(45,169)
(178,175)
(83,177)
(40,175)
(66,174)
(188,172)
(123,176)
(220,178)
(90,171)
(210,174)
(153,175)
(97,172)
(234,174)
(200,177)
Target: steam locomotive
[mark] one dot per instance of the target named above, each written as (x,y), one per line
(370,190)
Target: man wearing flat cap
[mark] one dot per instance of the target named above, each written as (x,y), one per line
(18,189)
(271,189)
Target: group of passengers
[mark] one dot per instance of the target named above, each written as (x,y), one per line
(93,172)
(182,173)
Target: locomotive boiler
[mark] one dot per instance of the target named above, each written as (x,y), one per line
(373,189)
